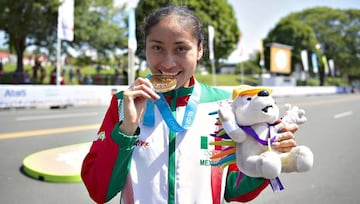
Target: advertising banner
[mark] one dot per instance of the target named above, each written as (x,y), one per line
(280,58)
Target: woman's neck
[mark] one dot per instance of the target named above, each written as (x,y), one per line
(180,96)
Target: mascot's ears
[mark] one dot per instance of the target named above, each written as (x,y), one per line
(248,90)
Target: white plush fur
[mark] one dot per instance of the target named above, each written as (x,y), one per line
(253,158)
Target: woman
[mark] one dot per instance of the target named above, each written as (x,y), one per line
(143,151)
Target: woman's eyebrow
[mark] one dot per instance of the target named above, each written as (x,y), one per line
(180,42)
(156,41)
(176,42)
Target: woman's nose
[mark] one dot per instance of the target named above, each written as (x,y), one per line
(168,61)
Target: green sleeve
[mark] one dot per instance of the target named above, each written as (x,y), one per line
(248,188)
(211,94)
(123,162)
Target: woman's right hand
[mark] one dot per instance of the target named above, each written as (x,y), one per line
(134,104)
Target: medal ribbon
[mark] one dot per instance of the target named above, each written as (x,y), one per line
(275,183)
(165,111)
(252,133)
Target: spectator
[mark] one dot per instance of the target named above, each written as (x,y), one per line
(42,74)
(1,69)
(26,77)
(36,68)
(53,76)
(71,75)
(88,79)
(78,74)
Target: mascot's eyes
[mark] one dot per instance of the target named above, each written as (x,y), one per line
(246,99)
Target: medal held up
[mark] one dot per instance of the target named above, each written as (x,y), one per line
(163,83)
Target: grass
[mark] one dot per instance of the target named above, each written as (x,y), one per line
(226,79)
(107,77)
(104,76)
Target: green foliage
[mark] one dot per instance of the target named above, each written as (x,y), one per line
(354,74)
(294,33)
(310,82)
(335,81)
(98,27)
(34,22)
(28,22)
(250,67)
(217,13)
(34,19)
(225,79)
(338,33)
(107,76)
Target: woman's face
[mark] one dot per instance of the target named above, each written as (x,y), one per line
(171,49)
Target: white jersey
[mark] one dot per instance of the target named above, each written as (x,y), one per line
(188,175)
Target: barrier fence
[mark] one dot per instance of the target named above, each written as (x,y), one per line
(19,96)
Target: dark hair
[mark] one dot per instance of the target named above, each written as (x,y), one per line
(187,18)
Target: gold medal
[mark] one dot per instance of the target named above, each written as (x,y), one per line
(163,83)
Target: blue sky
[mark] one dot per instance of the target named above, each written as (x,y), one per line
(257,17)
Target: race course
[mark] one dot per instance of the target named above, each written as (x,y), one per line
(332,132)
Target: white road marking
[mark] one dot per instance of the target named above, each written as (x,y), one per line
(341,115)
(55,116)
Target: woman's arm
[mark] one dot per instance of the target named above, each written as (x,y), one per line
(242,188)
(248,188)
(105,167)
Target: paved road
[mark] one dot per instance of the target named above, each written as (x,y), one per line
(332,132)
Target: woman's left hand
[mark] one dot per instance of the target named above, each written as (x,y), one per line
(285,140)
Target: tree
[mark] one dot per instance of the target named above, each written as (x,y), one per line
(34,22)
(217,13)
(28,22)
(338,33)
(294,33)
(99,26)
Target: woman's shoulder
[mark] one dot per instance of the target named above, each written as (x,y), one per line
(119,94)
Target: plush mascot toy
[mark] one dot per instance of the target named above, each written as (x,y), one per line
(252,122)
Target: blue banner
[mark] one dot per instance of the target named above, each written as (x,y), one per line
(314,63)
